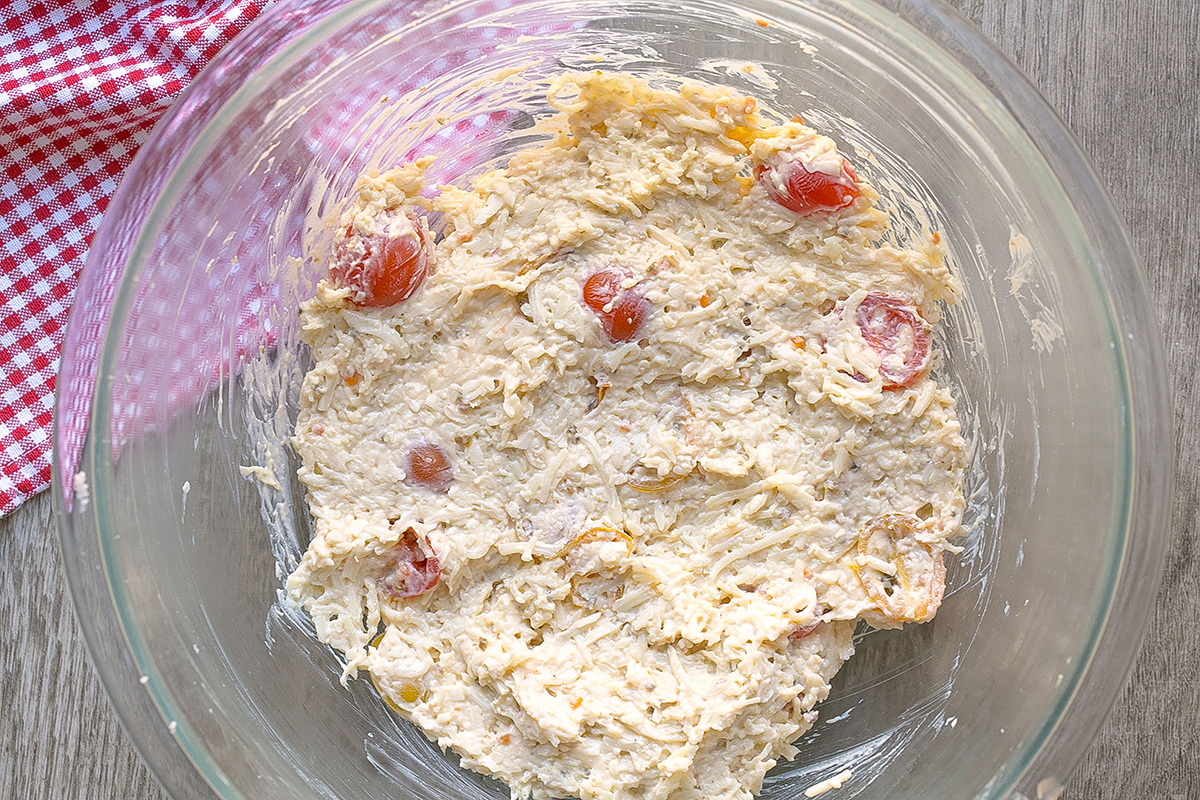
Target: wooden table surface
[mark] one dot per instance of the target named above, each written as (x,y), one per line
(1126,77)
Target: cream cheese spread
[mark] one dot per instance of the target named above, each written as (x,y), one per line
(608,453)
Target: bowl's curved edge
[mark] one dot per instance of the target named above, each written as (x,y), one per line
(75,436)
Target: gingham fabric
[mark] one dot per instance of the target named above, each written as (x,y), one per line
(82,84)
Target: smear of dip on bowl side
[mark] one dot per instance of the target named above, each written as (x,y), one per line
(605,470)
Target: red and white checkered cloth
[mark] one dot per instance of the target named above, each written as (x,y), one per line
(82,84)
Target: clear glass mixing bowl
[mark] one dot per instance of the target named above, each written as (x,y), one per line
(181,367)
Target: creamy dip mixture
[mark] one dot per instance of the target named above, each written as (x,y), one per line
(607,457)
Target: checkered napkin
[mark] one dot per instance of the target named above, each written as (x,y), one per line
(82,84)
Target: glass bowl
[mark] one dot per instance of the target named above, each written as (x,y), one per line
(180,513)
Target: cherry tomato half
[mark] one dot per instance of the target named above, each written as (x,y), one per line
(427,465)
(912,590)
(896,331)
(806,192)
(412,572)
(629,310)
(602,286)
(380,270)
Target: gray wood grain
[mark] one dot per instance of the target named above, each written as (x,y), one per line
(59,737)
(1126,77)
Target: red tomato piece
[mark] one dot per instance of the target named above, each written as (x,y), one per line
(807,192)
(378,269)
(428,465)
(412,572)
(626,319)
(628,311)
(897,332)
(602,286)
